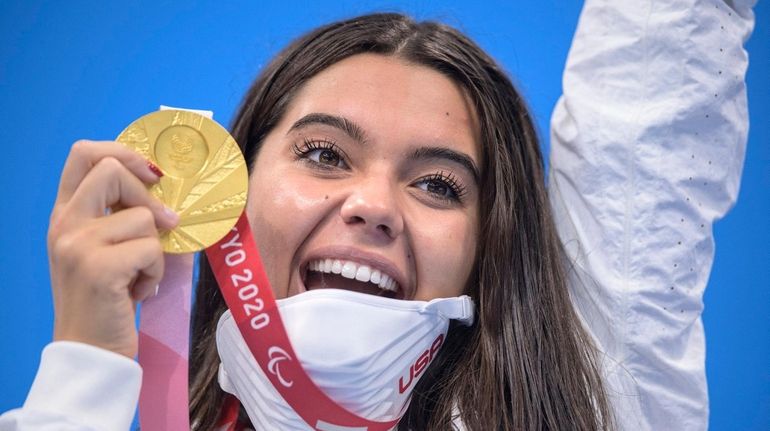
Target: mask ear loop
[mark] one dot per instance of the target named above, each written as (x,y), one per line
(224,380)
(461,308)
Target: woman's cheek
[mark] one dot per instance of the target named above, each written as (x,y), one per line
(283,210)
(448,254)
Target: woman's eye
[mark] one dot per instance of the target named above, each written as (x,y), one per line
(323,154)
(438,188)
(324,157)
(442,186)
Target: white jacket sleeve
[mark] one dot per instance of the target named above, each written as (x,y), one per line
(78,387)
(648,143)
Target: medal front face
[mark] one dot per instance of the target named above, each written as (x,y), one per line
(205,181)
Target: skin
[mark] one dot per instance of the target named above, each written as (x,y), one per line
(366,198)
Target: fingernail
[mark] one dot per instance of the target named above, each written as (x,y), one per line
(157,287)
(171,215)
(154,169)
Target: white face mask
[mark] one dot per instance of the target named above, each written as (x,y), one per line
(365,352)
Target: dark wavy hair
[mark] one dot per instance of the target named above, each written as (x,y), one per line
(527,363)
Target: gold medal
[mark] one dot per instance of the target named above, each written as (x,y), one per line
(205,179)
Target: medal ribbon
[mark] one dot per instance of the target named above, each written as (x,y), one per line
(247,292)
(164,323)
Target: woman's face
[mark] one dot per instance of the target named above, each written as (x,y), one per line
(369,183)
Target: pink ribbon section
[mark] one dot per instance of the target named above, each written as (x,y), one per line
(164,324)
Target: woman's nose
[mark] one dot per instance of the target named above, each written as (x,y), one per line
(373,206)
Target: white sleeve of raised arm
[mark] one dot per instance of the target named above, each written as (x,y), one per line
(78,387)
(648,142)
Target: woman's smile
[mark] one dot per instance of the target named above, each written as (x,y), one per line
(372,182)
(350,268)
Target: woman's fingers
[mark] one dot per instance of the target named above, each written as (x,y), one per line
(110,183)
(124,225)
(84,155)
(144,258)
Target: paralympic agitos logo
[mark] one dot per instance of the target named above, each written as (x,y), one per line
(277,355)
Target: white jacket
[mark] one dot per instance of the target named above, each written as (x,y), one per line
(647,143)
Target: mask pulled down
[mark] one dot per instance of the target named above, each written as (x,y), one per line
(365,352)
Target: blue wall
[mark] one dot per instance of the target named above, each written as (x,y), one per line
(71,70)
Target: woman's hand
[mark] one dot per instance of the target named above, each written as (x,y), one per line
(102,263)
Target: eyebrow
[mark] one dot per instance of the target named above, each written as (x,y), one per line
(350,128)
(447,154)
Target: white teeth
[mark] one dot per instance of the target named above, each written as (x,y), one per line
(375,277)
(336,267)
(363,273)
(349,270)
(387,283)
(353,270)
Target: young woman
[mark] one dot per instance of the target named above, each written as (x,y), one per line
(403,146)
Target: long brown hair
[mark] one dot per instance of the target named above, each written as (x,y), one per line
(526,363)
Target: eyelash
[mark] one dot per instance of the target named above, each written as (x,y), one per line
(446,178)
(449,180)
(310,145)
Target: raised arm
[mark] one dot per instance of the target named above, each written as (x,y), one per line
(648,143)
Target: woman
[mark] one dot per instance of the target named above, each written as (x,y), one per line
(477,182)
(526,363)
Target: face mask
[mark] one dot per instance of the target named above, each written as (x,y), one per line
(365,352)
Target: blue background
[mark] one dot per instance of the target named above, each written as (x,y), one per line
(71,70)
